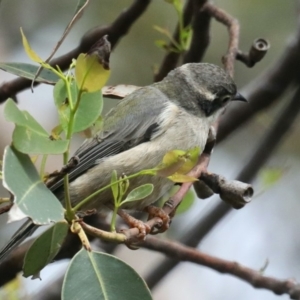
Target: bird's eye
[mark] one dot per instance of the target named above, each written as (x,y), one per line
(225,99)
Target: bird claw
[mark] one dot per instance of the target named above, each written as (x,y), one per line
(132,222)
(158,212)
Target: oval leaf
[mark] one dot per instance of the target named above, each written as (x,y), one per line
(89,109)
(94,275)
(178,161)
(28,71)
(139,193)
(44,249)
(181,178)
(29,136)
(90,75)
(31,195)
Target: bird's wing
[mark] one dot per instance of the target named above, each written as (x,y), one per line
(136,119)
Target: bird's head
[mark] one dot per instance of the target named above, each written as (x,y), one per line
(202,88)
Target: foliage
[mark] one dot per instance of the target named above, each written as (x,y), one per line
(78,100)
(184,32)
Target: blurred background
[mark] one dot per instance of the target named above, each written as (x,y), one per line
(268,227)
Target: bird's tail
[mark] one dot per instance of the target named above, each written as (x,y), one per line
(23,232)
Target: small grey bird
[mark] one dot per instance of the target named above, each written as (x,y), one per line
(175,113)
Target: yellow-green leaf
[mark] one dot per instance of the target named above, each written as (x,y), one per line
(139,193)
(176,177)
(191,158)
(31,54)
(178,161)
(270,176)
(90,74)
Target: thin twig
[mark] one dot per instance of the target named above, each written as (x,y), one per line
(171,58)
(255,278)
(234,32)
(78,13)
(115,31)
(264,90)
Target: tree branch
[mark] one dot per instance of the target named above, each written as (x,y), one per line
(234,32)
(115,31)
(264,90)
(265,149)
(171,58)
(255,278)
(201,37)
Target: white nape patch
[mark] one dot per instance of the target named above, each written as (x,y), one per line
(203,91)
(15,214)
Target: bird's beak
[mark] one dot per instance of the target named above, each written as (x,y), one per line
(239,97)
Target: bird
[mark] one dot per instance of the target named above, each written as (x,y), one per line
(175,113)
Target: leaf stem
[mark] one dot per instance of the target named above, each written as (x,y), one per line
(88,199)
(69,212)
(113,219)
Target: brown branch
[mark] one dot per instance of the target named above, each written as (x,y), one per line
(234,192)
(201,37)
(171,58)
(255,278)
(234,31)
(264,90)
(264,150)
(257,52)
(115,31)
(196,172)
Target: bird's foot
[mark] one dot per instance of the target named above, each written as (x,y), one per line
(158,212)
(132,222)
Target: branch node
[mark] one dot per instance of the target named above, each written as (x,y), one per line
(258,50)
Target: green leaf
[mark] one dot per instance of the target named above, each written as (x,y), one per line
(29,136)
(162,30)
(181,178)
(31,195)
(28,141)
(139,193)
(44,249)
(114,187)
(186,203)
(89,109)
(178,5)
(161,44)
(270,176)
(90,74)
(31,54)
(178,161)
(28,71)
(94,275)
